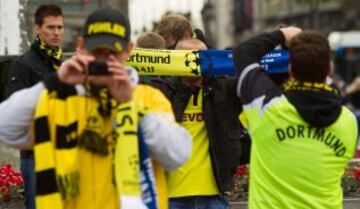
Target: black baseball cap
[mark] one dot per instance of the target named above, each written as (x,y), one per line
(107,28)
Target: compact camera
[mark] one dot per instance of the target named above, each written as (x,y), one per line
(98,67)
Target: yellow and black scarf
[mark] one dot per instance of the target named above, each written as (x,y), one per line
(51,56)
(66,122)
(63,121)
(296,85)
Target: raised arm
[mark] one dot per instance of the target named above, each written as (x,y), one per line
(252,50)
(253,82)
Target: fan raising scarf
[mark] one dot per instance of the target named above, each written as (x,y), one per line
(199,63)
(134,172)
(51,56)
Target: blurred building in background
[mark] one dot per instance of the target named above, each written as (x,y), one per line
(225,22)
(218,22)
(324,15)
(143,14)
(230,21)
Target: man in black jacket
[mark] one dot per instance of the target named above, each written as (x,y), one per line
(42,59)
(209,109)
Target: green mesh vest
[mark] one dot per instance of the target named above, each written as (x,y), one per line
(300,164)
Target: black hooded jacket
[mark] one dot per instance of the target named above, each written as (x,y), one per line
(320,109)
(24,72)
(229,144)
(27,70)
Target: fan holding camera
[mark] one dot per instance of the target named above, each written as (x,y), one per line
(93,124)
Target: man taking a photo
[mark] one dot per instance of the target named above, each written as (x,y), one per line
(100,141)
(302,138)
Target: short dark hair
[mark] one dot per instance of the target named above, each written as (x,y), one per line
(310,56)
(151,40)
(46,10)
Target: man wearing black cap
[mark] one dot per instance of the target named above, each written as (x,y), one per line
(93,126)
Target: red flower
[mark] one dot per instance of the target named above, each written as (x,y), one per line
(10,180)
(357,174)
(357,154)
(241,170)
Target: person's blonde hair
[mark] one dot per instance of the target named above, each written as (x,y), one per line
(151,40)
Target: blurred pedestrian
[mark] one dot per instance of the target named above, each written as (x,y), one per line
(150,40)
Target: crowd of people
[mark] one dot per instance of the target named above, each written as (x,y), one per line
(95,138)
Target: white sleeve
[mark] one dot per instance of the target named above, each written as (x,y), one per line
(169,143)
(16,114)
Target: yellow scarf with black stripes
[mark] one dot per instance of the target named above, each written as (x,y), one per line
(293,84)
(62,120)
(51,56)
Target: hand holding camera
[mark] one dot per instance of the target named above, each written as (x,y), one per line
(98,67)
(120,80)
(73,70)
(101,68)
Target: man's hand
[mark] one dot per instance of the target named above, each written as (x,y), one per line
(120,85)
(289,33)
(118,82)
(73,70)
